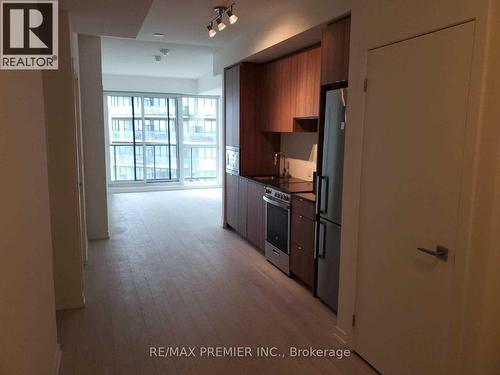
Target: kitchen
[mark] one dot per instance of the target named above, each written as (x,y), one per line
(284,137)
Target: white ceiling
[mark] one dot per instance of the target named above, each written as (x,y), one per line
(133,57)
(265,29)
(121,18)
(184,22)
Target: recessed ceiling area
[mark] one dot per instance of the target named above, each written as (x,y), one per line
(184,22)
(134,57)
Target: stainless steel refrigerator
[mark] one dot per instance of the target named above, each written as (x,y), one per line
(329,202)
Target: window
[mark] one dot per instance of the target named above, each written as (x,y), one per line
(199,115)
(145,144)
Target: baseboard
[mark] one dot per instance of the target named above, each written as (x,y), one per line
(68,305)
(98,236)
(57,360)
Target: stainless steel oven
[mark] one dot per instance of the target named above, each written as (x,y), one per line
(277,246)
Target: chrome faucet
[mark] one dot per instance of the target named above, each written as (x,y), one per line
(277,162)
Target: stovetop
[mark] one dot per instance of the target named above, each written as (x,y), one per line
(287,184)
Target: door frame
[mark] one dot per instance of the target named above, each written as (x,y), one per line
(351,200)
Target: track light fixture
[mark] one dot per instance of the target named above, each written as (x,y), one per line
(219,19)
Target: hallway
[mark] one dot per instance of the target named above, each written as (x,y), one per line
(171,276)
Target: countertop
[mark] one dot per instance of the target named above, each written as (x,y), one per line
(308,196)
(290,185)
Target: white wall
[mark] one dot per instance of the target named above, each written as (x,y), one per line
(63,175)
(206,85)
(210,85)
(93,136)
(378,23)
(301,153)
(149,84)
(28,342)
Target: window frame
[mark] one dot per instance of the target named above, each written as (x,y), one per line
(179,182)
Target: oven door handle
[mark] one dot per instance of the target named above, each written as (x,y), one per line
(274,203)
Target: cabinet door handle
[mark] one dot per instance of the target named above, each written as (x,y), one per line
(301,217)
(299,247)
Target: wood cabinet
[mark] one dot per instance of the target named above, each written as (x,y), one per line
(290,93)
(242,92)
(232,200)
(256,214)
(335,52)
(232,106)
(242,206)
(302,232)
(236,203)
(245,209)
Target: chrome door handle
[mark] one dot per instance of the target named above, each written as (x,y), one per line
(323,201)
(320,253)
(440,253)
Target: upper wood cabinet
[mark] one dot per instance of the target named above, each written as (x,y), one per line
(335,52)
(242,92)
(232,105)
(290,91)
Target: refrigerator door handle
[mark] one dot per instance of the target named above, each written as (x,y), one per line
(323,201)
(321,240)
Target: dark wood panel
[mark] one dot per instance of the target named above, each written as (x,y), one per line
(228,106)
(302,264)
(242,206)
(335,52)
(257,148)
(302,232)
(236,100)
(303,207)
(232,200)
(291,89)
(255,214)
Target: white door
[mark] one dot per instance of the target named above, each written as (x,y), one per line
(413,145)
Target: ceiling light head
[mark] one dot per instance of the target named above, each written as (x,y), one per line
(164,51)
(211,31)
(157,58)
(220,10)
(159,35)
(220,24)
(232,17)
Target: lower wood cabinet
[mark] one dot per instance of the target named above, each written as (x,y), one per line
(256,219)
(302,264)
(232,200)
(302,240)
(245,209)
(242,206)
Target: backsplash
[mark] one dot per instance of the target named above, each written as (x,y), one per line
(301,152)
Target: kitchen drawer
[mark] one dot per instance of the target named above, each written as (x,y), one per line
(302,264)
(304,207)
(302,232)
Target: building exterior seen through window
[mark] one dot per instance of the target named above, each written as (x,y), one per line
(148,141)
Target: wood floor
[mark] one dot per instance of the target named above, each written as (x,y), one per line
(171,276)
